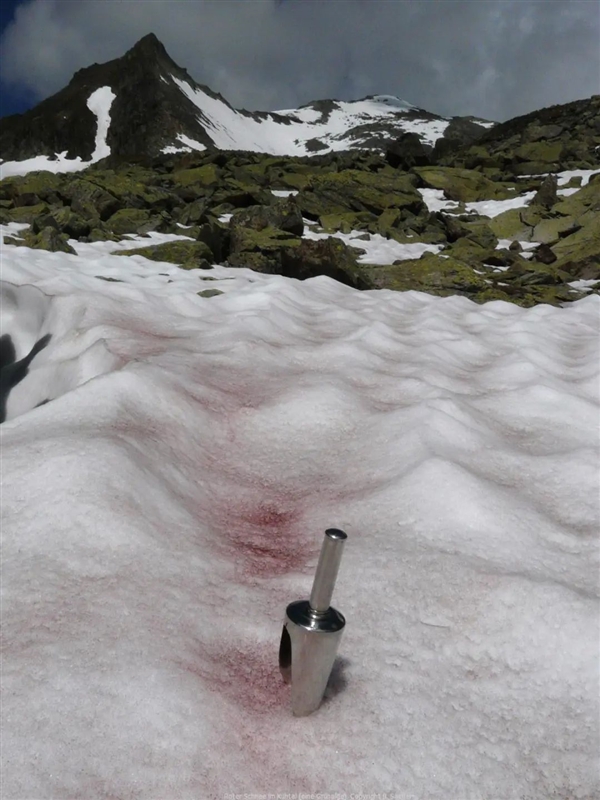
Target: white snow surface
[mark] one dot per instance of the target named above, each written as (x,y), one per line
(99,102)
(187,145)
(234,130)
(161,511)
(435,200)
(492,208)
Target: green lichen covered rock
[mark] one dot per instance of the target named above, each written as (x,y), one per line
(239,195)
(134,187)
(64,220)
(259,249)
(348,221)
(25,213)
(330,257)
(193,213)
(204,176)
(462,185)
(434,274)
(477,231)
(89,200)
(283,214)
(351,190)
(35,187)
(188,255)
(548,153)
(510,225)
(130,220)
(49,239)
(549,231)
(579,253)
(101,235)
(217,235)
(266,239)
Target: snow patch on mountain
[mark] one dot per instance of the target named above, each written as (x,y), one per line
(99,103)
(334,126)
(188,145)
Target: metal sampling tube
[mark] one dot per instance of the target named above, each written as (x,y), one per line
(312,630)
(327,570)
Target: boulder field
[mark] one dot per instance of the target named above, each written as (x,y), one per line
(253,210)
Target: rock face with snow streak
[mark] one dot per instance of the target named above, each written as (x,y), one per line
(159,108)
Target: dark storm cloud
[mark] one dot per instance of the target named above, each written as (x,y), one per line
(492,59)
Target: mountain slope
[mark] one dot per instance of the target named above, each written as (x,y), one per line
(158,108)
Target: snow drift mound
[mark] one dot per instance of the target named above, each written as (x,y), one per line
(40,357)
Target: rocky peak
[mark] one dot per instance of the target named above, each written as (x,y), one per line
(156,107)
(147,46)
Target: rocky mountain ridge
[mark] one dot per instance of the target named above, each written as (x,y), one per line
(158,108)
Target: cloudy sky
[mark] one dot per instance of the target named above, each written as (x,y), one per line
(492,59)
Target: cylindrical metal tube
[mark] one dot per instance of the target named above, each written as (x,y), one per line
(327,570)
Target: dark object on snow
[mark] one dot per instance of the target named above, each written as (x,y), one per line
(12,372)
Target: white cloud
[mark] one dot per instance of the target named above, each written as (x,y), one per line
(494,59)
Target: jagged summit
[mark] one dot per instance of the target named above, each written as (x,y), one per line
(145,104)
(147,45)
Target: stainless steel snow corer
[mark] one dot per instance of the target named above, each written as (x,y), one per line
(312,630)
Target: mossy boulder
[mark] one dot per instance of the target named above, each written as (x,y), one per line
(89,200)
(42,185)
(549,231)
(540,151)
(64,220)
(461,185)
(579,253)
(194,213)
(25,213)
(259,250)
(523,284)
(49,239)
(209,293)
(292,180)
(546,195)
(579,203)
(467,252)
(134,188)
(283,214)
(217,235)
(205,176)
(351,190)
(434,274)
(101,235)
(130,220)
(187,255)
(477,231)
(349,221)
(238,195)
(510,225)
(330,257)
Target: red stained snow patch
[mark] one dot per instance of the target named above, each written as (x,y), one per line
(248,677)
(266,538)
